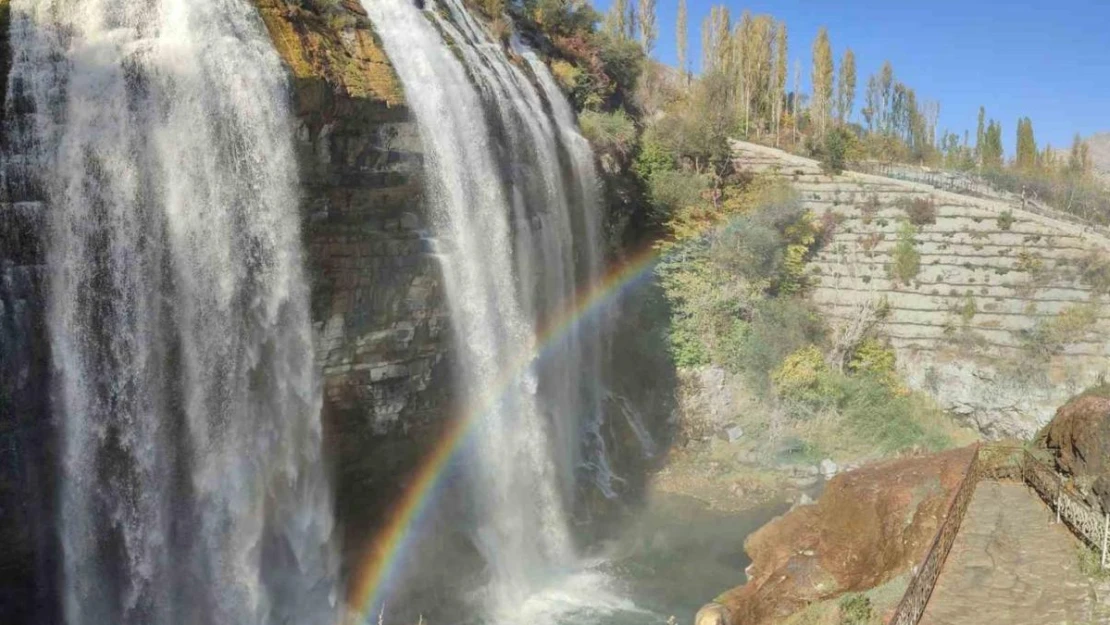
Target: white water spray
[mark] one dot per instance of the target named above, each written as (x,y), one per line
(512,191)
(193,489)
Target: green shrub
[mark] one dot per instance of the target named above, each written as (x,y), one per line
(906,260)
(1006,220)
(769,246)
(966,309)
(870,208)
(1090,563)
(778,327)
(920,211)
(836,149)
(653,158)
(883,419)
(623,60)
(875,358)
(1048,338)
(673,190)
(614,133)
(855,609)
(1094,271)
(1029,262)
(803,377)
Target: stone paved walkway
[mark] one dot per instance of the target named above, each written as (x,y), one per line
(1012,565)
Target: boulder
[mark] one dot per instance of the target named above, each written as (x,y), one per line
(868,527)
(1079,439)
(712,614)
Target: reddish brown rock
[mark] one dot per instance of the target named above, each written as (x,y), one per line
(1079,437)
(868,527)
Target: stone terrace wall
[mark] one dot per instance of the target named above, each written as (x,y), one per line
(961,327)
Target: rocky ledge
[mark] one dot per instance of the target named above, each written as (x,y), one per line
(866,531)
(1079,438)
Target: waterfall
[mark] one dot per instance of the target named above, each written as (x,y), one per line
(514,198)
(193,489)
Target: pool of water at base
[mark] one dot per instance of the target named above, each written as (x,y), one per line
(674,558)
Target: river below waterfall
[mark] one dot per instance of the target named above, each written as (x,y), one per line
(676,554)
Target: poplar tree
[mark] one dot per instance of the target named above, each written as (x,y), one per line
(871,112)
(1026,145)
(781,61)
(1079,159)
(846,86)
(755,44)
(715,39)
(980,132)
(683,34)
(649,32)
(616,20)
(822,78)
(992,146)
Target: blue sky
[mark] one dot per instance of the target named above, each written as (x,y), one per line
(1046,60)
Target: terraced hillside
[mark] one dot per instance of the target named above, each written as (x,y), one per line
(998,312)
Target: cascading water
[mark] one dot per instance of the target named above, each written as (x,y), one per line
(515,203)
(193,489)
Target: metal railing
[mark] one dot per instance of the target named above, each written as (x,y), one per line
(1001,462)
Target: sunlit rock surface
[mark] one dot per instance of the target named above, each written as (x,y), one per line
(1079,437)
(377,298)
(868,527)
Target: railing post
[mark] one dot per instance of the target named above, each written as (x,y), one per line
(1059,500)
(1105,540)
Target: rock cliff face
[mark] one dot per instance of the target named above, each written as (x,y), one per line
(870,526)
(377,298)
(1002,315)
(27,540)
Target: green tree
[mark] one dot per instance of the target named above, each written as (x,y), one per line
(649,32)
(846,86)
(1026,145)
(822,79)
(755,42)
(683,35)
(616,20)
(715,35)
(980,135)
(992,146)
(886,97)
(1079,158)
(781,62)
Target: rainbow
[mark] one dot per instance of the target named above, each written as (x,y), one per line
(382,560)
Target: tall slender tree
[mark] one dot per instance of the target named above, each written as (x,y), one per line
(886,98)
(781,68)
(795,97)
(649,32)
(846,86)
(716,31)
(682,32)
(1026,156)
(874,103)
(980,135)
(1079,159)
(992,145)
(822,79)
(756,46)
(616,20)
